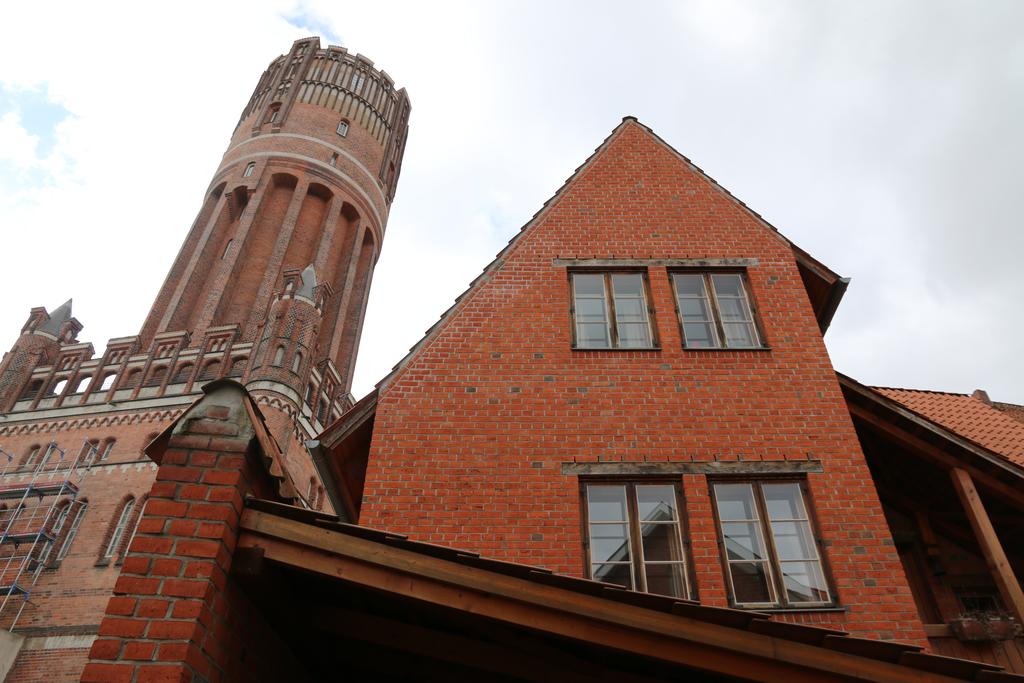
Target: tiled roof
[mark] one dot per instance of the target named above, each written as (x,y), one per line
(970,417)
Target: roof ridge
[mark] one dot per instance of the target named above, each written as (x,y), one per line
(921,391)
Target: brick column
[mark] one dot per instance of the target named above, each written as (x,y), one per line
(176,615)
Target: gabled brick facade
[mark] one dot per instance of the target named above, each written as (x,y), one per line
(473,428)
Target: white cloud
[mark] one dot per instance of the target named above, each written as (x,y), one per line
(881,137)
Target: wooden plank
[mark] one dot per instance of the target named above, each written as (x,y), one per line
(672,638)
(724,467)
(938,631)
(648,262)
(991,548)
(851,386)
(1012,495)
(497,658)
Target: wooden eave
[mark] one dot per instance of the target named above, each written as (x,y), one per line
(932,442)
(340,455)
(743,645)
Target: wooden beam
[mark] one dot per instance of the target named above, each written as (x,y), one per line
(688,642)
(1013,495)
(431,643)
(649,262)
(731,467)
(1006,581)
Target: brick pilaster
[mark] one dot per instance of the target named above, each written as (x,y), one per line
(171,617)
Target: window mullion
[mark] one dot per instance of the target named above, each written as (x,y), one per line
(774,566)
(609,294)
(636,540)
(709,285)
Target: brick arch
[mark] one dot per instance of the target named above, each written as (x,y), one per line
(182,373)
(131,379)
(238,364)
(157,374)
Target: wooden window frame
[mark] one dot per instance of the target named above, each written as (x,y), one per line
(639,574)
(609,294)
(775,580)
(716,314)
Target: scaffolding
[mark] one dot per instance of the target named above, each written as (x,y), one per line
(33,513)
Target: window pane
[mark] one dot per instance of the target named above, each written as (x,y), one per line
(750,582)
(694,310)
(634,335)
(621,574)
(735,501)
(661,543)
(689,285)
(793,540)
(630,310)
(666,579)
(739,335)
(590,310)
(609,543)
(732,310)
(656,503)
(700,335)
(607,503)
(728,284)
(743,541)
(784,501)
(589,284)
(625,284)
(593,335)
(804,582)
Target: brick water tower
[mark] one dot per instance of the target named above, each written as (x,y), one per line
(269,289)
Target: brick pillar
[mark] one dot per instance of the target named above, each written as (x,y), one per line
(176,615)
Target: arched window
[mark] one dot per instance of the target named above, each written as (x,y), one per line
(310,390)
(182,373)
(32,456)
(56,529)
(237,366)
(82,385)
(75,515)
(32,389)
(120,528)
(132,380)
(342,130)
(90,451)
(156,376)
(108,381)
(297,362)
(278,356)
(133,525)
(250,168)
(108,447)
(211,370)
(57,387)
(274,113)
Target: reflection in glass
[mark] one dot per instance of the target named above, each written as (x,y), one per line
(606,503)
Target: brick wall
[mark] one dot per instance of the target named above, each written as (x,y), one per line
(176,613)
(471,432)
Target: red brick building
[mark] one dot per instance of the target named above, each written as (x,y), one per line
(635,396)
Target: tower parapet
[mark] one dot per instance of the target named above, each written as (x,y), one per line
(307,179)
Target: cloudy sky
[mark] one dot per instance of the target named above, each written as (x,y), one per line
(883,137)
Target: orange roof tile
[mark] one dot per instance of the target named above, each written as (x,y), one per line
(968,416)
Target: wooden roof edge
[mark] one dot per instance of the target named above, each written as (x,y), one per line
(870,660)
(988,456)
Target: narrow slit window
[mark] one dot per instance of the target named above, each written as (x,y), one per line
(122,523)
(250,168)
